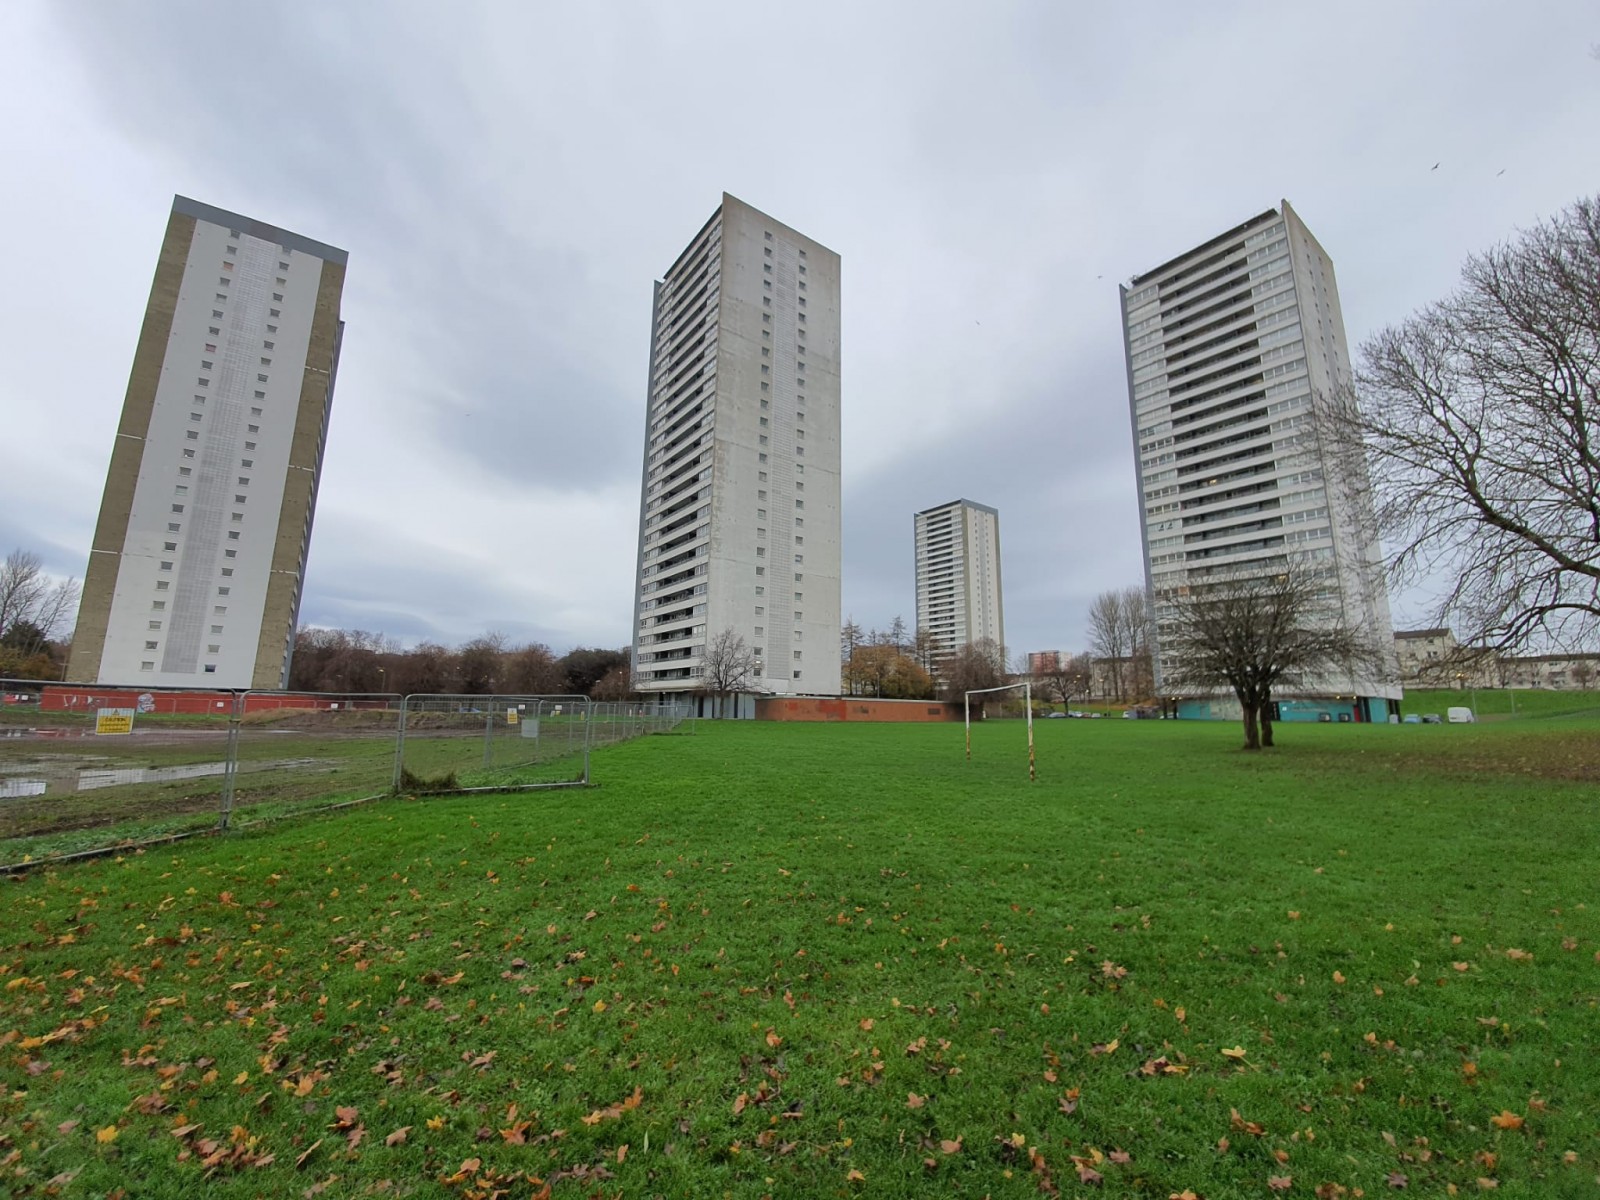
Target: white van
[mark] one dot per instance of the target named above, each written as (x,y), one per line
(1459,715)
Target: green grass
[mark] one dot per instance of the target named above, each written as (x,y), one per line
(774,937)
(1504,704)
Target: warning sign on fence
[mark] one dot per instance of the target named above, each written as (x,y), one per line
(511,716)
(113,720)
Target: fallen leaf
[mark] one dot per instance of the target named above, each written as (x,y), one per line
(915,1101)
(739,1102)
(867,1023)
(949,1146)
(1236,1053)
(1338,976)
(1280,1183)
(855,1176)
(1506,1119)
(613,1111)
(108,1134)
(398,1136)
(1240,1125)
(1396,1180)
(307,1153)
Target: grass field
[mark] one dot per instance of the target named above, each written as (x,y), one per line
(840,960)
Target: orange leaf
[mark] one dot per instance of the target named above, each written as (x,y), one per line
(1240,1125)
(622,1151)
(1338,976)
(1236,1053)
(1280,1183)
(949,1146)
(398,1136)
(739,1102)
(108,1134)
(1506,1120)
(915,1101)
(867,1023)
(773,1039)
(855,1176)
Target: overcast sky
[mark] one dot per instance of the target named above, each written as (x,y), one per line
(510,177)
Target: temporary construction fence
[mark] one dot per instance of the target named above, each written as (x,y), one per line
(84,769)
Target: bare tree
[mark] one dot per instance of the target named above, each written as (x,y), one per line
(1065,676)
(531,670)
(481,663)
(27,596)
(896,635)
(925,651)
(977,665)
(615,684)
(1480,420)
(1253,634)
(729,667)
(1120,633)
(849,642)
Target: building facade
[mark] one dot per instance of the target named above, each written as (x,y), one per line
(959,598)
(195,572)
(1432,658)
(739,518)
(1233,348)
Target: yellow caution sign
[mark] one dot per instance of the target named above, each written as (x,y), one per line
(113,720)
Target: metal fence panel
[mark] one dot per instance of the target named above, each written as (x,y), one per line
(296,751)
(84,768)
(462,743)
(71,779)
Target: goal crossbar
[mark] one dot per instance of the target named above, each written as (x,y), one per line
(1027,704)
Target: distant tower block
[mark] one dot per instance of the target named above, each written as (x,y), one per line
(739,504)
(959,599)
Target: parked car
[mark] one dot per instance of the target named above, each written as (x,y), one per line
(1432,719)
(1411,719)
(1460,715)
(1055,716)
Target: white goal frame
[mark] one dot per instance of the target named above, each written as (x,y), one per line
(1027,704)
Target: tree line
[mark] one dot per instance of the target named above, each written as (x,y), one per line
(338,660)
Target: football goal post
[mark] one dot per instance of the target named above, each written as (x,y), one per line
(1027,705)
